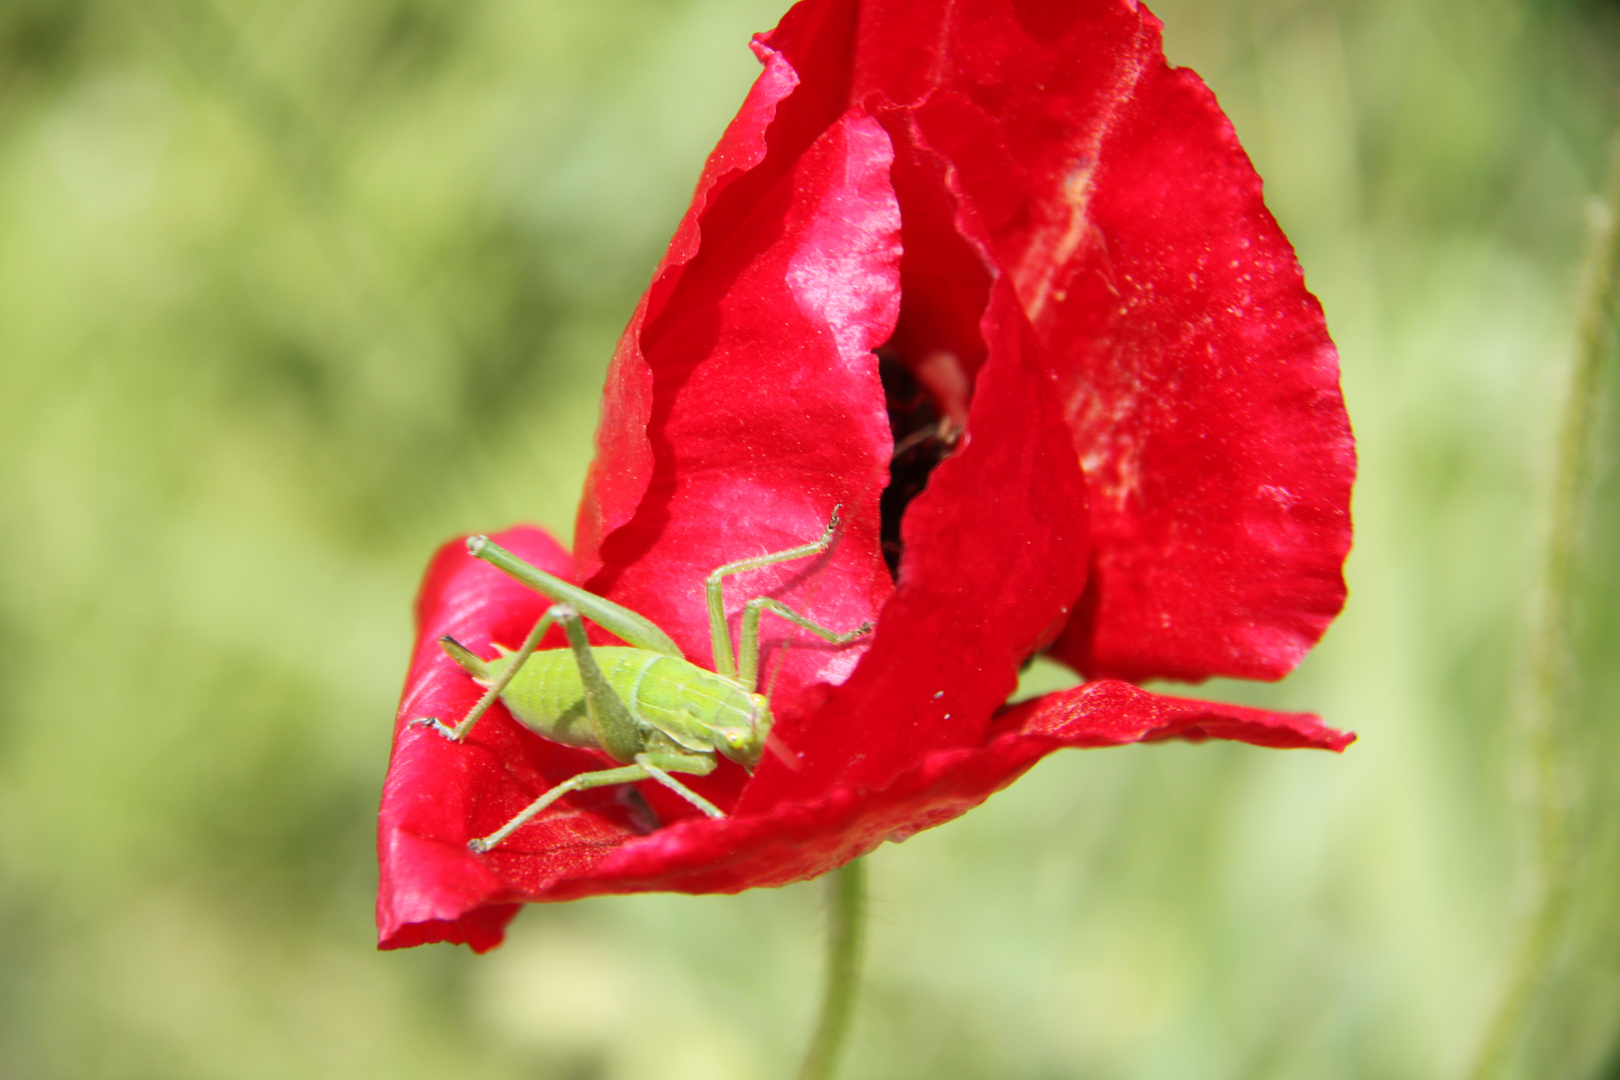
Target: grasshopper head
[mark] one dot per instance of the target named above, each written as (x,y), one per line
(745,745)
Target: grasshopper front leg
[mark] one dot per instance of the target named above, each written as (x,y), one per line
(744,667)
(748,645)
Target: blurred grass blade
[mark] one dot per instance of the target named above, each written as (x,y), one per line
(1561,1014)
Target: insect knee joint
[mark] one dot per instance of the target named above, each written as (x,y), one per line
(433,723)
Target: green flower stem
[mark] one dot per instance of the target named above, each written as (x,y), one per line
(846,930)
(1552,683)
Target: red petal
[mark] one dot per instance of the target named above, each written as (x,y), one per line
(1194,368)
(1112,713)
(768,412)
(759,153)
(1203,391)
(624,459)
(799,840)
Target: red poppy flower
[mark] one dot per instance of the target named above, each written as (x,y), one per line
(999,282)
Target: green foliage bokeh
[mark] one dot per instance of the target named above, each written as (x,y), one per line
(290,292)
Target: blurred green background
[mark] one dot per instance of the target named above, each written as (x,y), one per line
(292,291)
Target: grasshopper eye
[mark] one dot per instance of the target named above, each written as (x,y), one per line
(742,745)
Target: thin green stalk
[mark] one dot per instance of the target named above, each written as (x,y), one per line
(846,901)
(1551,686)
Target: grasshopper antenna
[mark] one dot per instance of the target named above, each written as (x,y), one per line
(773,742)
(776,669)
(784,753)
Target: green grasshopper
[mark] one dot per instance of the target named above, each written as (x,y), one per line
(646,706)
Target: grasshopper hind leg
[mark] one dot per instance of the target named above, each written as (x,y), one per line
(478,668)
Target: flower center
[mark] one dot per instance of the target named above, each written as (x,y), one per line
(924,436)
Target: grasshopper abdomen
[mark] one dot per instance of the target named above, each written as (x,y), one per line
(696,709)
